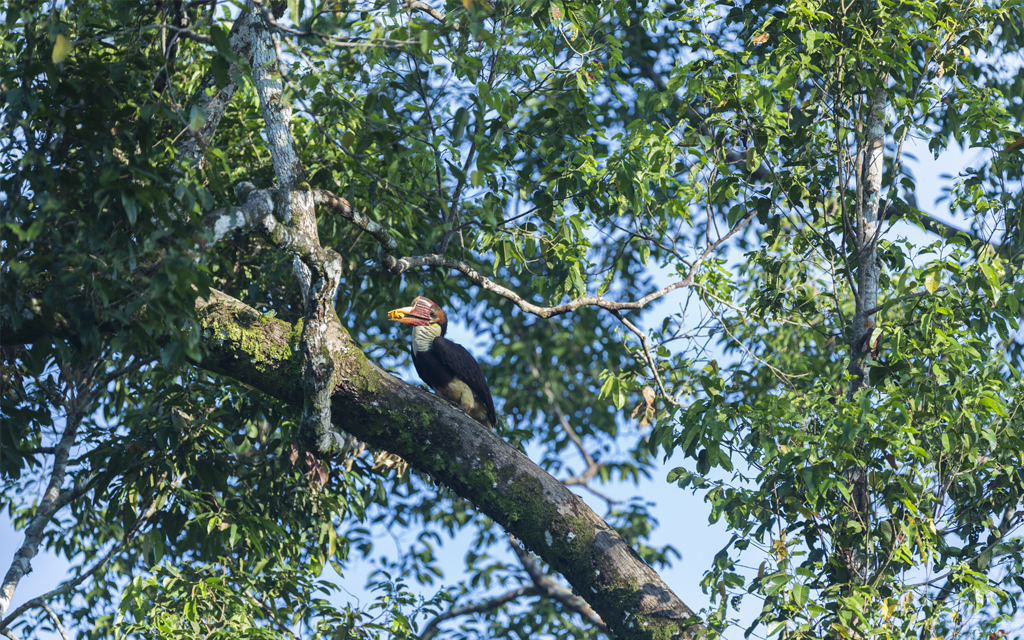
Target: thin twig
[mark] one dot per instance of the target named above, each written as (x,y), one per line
(132,366)
(592,466)
(609,501)
(56,621)
(555,591)
(427,9)
(71,584)
(270,613)
(430,630)
(648,358)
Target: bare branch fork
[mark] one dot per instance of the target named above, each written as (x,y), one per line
(542,585)
(53,499)
(82,391)
(43,600)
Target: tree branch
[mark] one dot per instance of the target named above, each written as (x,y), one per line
(456,451)
(40,601)
(388,245)
(543,585)
(56,621)
(214,106)
(442,441)
(647,357)
(256,204)
(33,450)
(592,466)
(318,270)
(434,260)
(22,562)
(555,591)
(425,8)
(271,614)
(430,630)
(327,38)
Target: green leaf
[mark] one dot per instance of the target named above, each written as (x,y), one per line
(800,594)
(219,68)
(557,11)
(459,124)
(221,42)
(753,160)
(197,119)
(703,462)
(128,200)
(61,48)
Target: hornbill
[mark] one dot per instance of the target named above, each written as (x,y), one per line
(447,368)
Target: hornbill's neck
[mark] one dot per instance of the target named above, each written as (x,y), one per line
(423,336)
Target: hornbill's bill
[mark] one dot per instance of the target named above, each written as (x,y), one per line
(446,367)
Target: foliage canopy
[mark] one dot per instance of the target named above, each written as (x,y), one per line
(848,401)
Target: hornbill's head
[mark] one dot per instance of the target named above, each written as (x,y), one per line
(422,313)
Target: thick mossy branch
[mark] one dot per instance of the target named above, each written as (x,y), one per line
(250,347)
(458,452)
(455,450)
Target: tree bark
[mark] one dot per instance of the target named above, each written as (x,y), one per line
(868,270)
(318,271)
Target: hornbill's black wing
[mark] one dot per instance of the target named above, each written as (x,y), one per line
(466,368)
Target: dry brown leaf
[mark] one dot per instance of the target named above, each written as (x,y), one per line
(1019,142)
